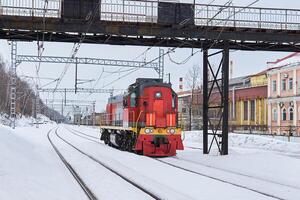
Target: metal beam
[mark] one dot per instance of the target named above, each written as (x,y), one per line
(50,101)
(145,34)
(86,61)
(248,41)
(79,90)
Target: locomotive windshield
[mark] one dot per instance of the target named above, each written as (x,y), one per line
(133,99)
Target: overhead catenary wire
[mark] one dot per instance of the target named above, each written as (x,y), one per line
(232,15)
(227,5)
(77,46)
(171,50)
(147,50)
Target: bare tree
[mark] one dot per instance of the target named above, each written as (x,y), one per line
(193,79)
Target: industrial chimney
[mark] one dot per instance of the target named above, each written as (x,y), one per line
(180,84)
(231,70)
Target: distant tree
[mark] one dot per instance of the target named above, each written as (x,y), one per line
(25,96)
(193,78)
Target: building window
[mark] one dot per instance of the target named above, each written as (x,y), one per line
(290,83)
(284,114)
(245,110)
(274,86)
(275,114)
(291,112)
(283,84)
(252,113)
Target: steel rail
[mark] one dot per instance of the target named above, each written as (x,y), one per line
(79,180)
(191,171)
(143,189)
(219,179)
(238,173)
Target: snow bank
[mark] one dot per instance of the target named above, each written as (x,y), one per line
(25,121)
(250,141)
(31,171)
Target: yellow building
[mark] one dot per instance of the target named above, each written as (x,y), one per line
(248,102)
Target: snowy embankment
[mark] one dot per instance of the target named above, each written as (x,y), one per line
(166,181)
(269,163)
(250,141)
(25,121)
(29,169)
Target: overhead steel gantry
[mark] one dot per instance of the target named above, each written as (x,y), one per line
(158,67)
(166,24)
(88,61)
(79,90)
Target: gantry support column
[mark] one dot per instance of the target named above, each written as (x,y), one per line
(218,87)
(13,84)
(161,64)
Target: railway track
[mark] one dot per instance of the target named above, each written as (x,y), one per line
(220,180)
(236,173)
(90,195)
(85,136)
(143,189)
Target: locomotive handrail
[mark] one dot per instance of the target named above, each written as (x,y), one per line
(136,123)
(133,117)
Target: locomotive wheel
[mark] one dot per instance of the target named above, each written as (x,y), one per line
(130,143)
(124,143)
(106,137)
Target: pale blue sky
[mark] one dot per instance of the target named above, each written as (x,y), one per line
(244,62)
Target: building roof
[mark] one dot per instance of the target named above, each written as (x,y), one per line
(238,80)
(184,93)
(285,61)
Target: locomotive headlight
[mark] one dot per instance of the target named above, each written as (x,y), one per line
(158,95)
(172,131)
(147,130)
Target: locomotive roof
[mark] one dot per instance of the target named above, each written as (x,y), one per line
(143,82)
(139,86)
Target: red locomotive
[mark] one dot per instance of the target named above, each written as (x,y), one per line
(144,120)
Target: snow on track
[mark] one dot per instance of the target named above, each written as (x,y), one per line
(79,180)
(160,177)
(104,184)
(259,185)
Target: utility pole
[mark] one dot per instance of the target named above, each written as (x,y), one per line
(62,107)
(37,109)
(66,95)
(93,115)
(76,75)
(169,77)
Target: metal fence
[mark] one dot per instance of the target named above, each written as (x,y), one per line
(31,8)
(266,130)
(146,11)
(129,10)
(242,17)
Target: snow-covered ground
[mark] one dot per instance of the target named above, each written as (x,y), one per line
(257,167)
